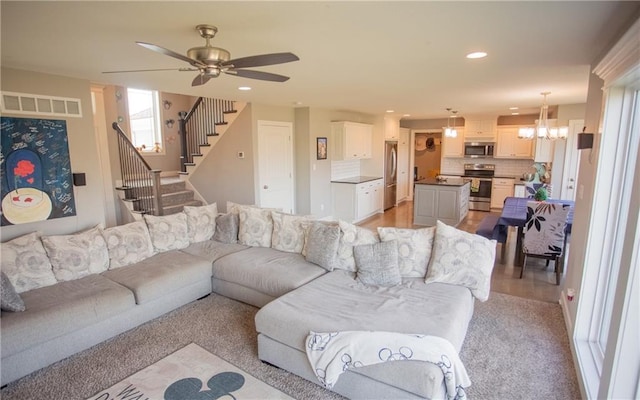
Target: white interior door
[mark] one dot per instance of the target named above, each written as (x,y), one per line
(571,161)
(275,165)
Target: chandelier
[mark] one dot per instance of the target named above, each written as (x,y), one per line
(448,131)
(543,130)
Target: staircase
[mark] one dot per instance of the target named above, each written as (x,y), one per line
(146,191)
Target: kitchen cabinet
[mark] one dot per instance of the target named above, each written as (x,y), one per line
(480,130)
(402,189)
(391,128)
(544,150)
(509,145)
(351,140)
(444,201)
(355,202)
(453,147)
(501,188)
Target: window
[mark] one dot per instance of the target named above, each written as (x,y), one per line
(144,120)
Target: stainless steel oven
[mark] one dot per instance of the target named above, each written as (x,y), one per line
(481,177)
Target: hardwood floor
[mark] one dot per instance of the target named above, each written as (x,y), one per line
(538,282)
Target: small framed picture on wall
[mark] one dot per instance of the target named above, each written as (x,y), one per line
(321,148)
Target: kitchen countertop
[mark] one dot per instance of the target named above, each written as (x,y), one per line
(448,182)
(357,179)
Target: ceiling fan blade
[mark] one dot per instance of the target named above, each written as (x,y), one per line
(264,76)
(170,53)
(261,60)
(141,70)
(200,79)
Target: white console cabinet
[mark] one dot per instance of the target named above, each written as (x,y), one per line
(351,140)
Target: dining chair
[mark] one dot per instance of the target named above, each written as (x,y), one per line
(544,233)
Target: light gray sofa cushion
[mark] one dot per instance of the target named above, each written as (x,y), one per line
(377,264)
(227,226)
(266,270)
(161,274)
(212,249)
(10,300)
(56,310)
(322,244)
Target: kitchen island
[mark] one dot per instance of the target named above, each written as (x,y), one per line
(447,201)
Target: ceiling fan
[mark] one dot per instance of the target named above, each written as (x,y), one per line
(211,61)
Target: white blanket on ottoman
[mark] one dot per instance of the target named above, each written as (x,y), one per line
(332,353)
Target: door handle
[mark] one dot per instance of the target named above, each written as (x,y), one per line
(265,187)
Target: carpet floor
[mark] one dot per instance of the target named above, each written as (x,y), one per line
(515,349)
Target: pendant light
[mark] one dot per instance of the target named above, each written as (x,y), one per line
(543,130)
(448,131)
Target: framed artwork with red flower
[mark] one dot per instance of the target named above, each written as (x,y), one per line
(36,174)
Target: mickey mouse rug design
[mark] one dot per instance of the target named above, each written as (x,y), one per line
(190,373)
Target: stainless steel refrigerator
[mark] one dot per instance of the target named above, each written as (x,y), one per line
(390,173)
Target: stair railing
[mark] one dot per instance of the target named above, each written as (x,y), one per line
(140,183)
(198,124)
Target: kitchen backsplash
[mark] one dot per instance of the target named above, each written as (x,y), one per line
(515,168)
(344,169)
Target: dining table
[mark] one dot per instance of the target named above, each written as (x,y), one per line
(514,213)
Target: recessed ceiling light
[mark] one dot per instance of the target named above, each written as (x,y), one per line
(477,54)
(244,88)
(515,113)
(390,111)
(513,108)
(406,115)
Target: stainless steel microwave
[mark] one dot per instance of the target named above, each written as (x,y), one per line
(479,149)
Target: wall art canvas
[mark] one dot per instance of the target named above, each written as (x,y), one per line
(36,171)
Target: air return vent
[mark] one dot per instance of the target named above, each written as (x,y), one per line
(35,104)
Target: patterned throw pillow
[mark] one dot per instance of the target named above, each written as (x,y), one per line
(26,264)
(322,244)
(462,258)
(128,244)
(377,264)
(168,232)
(9,299)
(352,235)
(227,228)
(77,255)
(201,222)
(289,231)
(256,226)
(414,249)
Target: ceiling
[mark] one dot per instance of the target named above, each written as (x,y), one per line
(366,57)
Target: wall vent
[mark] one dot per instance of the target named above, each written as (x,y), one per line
(36,104)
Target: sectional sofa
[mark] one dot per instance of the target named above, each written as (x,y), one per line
(63,294)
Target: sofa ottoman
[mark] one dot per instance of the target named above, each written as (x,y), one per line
(337,302)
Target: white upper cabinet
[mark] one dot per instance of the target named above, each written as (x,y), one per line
(351,140)
(453,147)
(509,145)
(391,128)
(480,130)
(402,192)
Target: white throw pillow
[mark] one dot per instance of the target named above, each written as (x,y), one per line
(128,244)
(462,258)
(352,235)
(414,249)
(77,255)
(256,226)
(201,222)
(25,262)
(168,232)
(289,231)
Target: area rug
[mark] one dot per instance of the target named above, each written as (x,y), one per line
(187,374)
